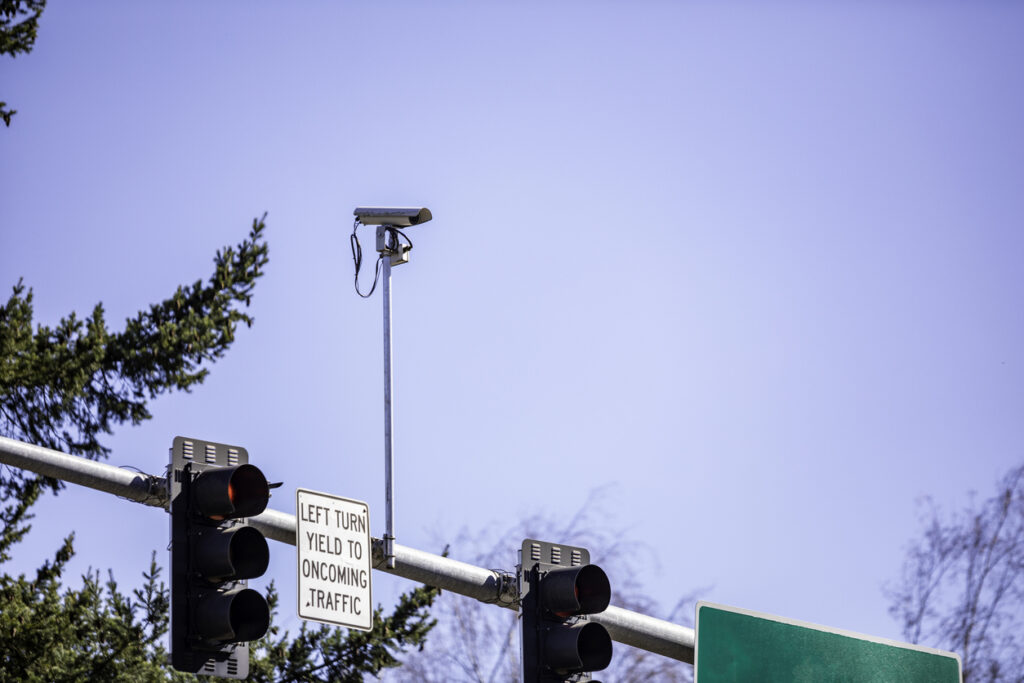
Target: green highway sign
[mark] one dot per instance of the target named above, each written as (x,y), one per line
(740,646)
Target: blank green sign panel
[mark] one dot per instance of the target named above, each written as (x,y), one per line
(739,646)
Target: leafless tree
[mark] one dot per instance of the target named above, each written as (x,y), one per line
(962,587)
(478,643)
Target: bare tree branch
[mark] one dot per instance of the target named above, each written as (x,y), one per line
(962,587)
(472,638)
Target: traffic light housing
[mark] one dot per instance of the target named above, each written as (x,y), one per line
(559,588)
(213,553)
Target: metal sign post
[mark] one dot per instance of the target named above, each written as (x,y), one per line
(389,455)
(393,247)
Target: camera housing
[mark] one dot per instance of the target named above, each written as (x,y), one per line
(401,217)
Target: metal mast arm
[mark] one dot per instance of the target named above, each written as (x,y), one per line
(487,585)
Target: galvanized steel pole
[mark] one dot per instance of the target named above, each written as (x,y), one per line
(389,458)
(487,585)
(136,486)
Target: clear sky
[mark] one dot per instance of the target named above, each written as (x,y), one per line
(757,265)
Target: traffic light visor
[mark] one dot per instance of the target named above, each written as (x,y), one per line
(231,492)
(237,616)
(583,647)
(231,554)
(250,615)
(576,590)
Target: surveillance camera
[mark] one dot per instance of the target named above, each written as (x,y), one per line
(399,217)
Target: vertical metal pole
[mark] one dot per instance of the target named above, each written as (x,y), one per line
(389,497)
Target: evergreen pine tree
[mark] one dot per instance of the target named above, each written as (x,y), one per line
(66,387)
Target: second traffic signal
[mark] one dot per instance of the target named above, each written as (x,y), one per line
(559,589)
(213,553)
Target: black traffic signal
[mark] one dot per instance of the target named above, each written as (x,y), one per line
(213,551)
(558,589)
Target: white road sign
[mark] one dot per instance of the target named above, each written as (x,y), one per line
(332,537)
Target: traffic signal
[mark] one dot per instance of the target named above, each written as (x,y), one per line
(213,552)
(558,589)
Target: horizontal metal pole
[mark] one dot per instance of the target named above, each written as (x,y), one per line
(648,633)
(136,486)
(487,585)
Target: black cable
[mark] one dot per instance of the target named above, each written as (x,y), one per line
(357,258)
(357,253)
(394,232)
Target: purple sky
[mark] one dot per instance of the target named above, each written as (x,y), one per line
(759,268)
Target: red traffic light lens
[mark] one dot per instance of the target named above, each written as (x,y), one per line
(231,492)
